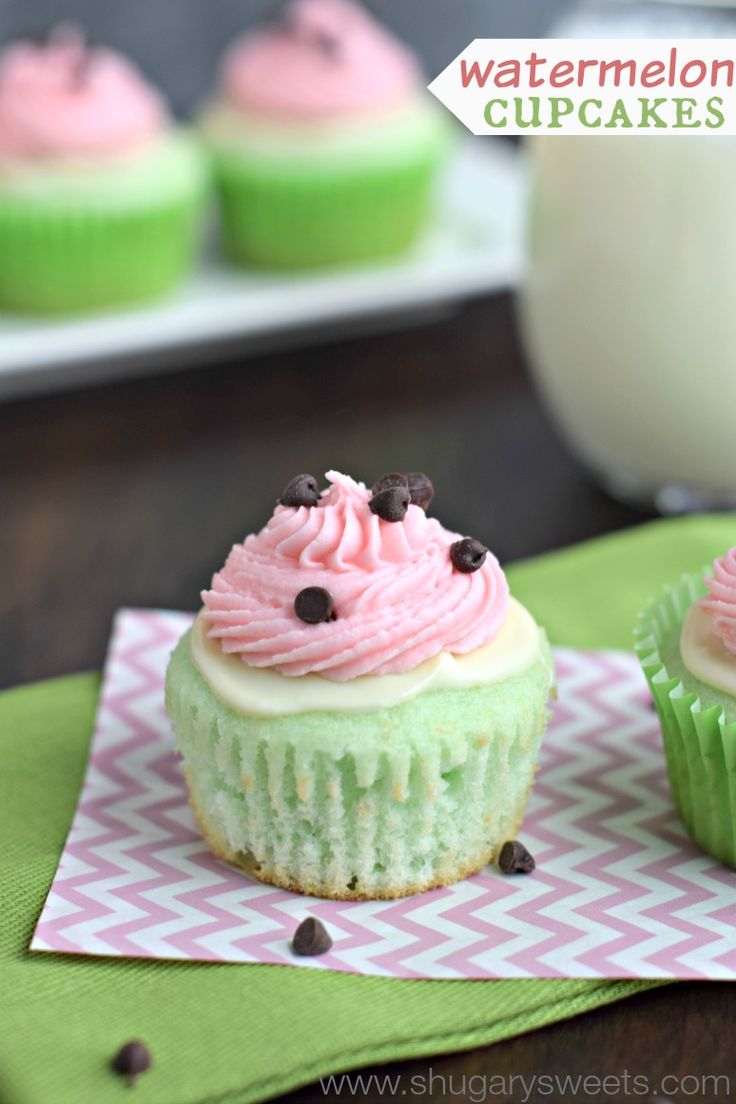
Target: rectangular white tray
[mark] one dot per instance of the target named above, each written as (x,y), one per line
(473,247)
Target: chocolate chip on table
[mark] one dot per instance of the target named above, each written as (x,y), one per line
(420,489)
(468,555)
(302,490)
(311,938)
(131,1060)
(515,859)
(391,503)
(313,605)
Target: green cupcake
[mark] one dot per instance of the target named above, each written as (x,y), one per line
(686,643)
(325,148)
(360,703)
(99,195)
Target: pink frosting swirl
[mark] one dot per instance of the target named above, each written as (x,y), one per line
(397,597)
(60,98)
(721,600)
(325,58)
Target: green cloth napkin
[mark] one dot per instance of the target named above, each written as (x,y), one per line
(227,1033)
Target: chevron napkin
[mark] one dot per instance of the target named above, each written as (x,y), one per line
(619,891)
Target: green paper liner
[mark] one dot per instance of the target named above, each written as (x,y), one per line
(65,260)
(279,219)
(361,805)
(699,742)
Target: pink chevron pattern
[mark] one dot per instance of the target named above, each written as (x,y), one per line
(619,891)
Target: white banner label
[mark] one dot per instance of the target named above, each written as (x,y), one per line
(592,86)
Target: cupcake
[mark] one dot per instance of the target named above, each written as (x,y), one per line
(686,642)
(99,192)
(360,703)
(325,145)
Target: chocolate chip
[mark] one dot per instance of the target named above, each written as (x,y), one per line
(311,938)
(290,25)
(329,44)
(302,490)
(468,555)
(392,479)
(391,504)
(515,859)
(313,605)
(420,489)
(131,1060)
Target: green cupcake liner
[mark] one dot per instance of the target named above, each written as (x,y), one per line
(355,805)
(275,219)
(57,260)
(699,739)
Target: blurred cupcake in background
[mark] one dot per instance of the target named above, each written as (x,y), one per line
(99,192)
(326,147)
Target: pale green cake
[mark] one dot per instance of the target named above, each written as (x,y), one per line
(362,805)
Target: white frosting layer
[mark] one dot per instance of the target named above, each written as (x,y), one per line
(263,692)
(166,169)
(396,132)
(704,654)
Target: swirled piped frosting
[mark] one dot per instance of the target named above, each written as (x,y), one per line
(397,597)
(60,98)
(721,600)
(322,59)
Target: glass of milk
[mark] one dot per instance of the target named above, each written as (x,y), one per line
(628,308)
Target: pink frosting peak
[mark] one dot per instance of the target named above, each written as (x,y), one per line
(62,98)
(397,598)
(323,59)
(721,600)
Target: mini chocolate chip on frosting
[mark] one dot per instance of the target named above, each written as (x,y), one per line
(328,44)
(468,555)
(398,596)
(515,859)
(314,605)
(311,938)
(391,479)
(391,503)
(421,489)
(289,23)
(132,1060)
(302,490)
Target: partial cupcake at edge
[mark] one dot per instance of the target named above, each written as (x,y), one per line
(326,145)
(360,702)
(686,642)
(99,190)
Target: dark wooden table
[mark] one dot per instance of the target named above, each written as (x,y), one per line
(132,494)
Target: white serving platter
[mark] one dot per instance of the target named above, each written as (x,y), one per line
(474,247)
